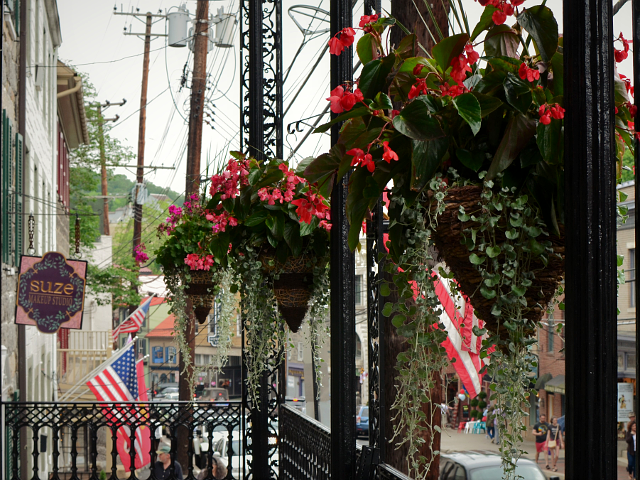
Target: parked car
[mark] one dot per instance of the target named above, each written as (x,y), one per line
(223,448)
(362,421)
(214,395)
(163,391)
(477,465)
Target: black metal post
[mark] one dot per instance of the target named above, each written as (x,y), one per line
(590,239)
(635,4)
(256,81)
(343,364)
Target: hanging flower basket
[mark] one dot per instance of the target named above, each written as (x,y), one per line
(200,290)
(292,287)
(455,254)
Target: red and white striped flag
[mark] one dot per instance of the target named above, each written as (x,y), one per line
(132,323)
(118,382)
(461,343)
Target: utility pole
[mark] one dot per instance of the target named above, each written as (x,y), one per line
(198,89)
(137,208)
(103,160)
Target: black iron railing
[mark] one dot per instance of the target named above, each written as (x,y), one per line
(71,440)
(305,447)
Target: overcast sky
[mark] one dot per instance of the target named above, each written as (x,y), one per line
(93,41)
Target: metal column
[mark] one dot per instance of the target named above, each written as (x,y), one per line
(590,222)
(261,137)
(343,364)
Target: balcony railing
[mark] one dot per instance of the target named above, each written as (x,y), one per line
(74,364)
(78,440)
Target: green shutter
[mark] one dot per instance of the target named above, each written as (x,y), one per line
(19,243)
(16,16)
(7,166)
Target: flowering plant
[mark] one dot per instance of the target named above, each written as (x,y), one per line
(415,115)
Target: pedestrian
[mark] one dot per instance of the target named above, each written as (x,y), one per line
(491,430)
(555,442)
(631,450)
(496,424)
(632,418)
(540,431)
(162,467)
(218,470)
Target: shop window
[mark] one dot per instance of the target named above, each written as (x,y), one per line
(171,354)
(158,355)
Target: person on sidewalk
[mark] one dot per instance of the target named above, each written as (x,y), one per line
(491,430)
(540,431)
(162,467)
(631,450)
(554,442)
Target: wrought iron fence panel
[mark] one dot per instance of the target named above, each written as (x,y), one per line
(386,472)
(66,420)
(305,447)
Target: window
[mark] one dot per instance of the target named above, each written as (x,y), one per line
(198,359)
(631,280)
(551,334)
(300,352)
(631,361)
(358,289)
(171,354)
(620,361)
(158,355)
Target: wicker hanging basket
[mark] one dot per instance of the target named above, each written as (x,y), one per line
(292,288)
(200,291)
(456,255)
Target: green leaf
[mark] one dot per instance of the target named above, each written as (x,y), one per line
(365,48)
(356,112)
(501,41)
(399,320)
(308,228)
(292,237)
(557,67)
(518,93)
(519,131)
(518,290)
(468,107)
(488,103)
(426,157)
(493,252)
(385,290)
(476,260)
(374,76)
(415,122)
(371,189)
(543,27)
(388,309)
(257,218)
(406,47)
(410,63)
(254,176)
(472,160)
(449,48)
(486,21)
(277,229)
(620,90)
(487,293)
(382,102)
(550,141)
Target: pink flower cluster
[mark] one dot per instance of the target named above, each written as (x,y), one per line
(547,111)
(362,159)
(228,183)
(627,84)
(196,262)
(276,194)
(141,256)
(343,100)
(313,205)
(505,8)
(621,55)
(175,213)
(221,221)
(526,73)
(366,21)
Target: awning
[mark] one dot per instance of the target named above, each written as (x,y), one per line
(542,381)
(555,385)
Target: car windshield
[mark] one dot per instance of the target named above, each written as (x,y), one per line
(235,444)
(364,412)
(169,390)
(526,472)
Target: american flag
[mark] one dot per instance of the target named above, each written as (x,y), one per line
(132,323)
(118,382)
(458,319)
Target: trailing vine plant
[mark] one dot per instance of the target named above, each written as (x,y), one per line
(318,331)
(182,321)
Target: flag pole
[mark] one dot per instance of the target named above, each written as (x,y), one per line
(103,365)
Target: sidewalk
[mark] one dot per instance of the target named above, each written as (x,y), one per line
(454,441)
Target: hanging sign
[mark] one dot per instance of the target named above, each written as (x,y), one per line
(625,401)
(51,292)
